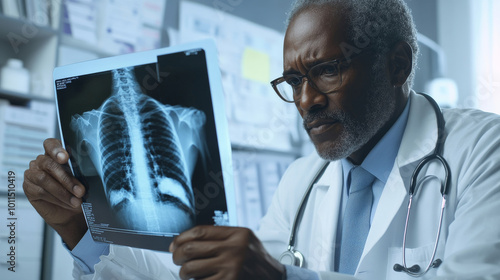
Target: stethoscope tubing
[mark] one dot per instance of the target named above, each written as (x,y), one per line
(436,155)
(303,202)
(436,242)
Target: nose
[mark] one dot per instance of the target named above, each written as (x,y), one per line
(311,98)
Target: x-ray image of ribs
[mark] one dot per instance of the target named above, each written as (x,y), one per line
(145,153)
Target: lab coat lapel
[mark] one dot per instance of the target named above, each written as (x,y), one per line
(420,136)
(418,140)
(326,196)
(390,202)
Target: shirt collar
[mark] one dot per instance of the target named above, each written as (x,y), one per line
(380,159)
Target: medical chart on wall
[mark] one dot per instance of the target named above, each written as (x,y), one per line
(256,178)
(116,27)
(250,56)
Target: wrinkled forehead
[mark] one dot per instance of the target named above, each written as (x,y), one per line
(314,31)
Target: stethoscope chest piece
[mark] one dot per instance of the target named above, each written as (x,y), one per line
(292,257)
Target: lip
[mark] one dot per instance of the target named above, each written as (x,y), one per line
(320,126)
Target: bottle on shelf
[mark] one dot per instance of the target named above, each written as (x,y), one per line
(15,77)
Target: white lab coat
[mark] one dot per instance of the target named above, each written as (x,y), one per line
(470,236)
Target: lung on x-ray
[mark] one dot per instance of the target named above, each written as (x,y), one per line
(143,141)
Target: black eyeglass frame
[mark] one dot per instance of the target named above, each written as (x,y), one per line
(338,62)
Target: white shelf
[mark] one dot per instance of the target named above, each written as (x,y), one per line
(35,45)
(25,28)
(69,41)
(21,98)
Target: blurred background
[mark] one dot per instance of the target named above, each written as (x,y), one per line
(458,66)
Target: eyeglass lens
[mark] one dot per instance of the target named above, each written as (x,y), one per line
(324,77)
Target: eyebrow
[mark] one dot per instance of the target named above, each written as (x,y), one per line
(291,72)
(309,65)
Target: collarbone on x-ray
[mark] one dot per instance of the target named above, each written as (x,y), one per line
(133,143)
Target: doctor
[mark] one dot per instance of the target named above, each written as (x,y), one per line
(349,65)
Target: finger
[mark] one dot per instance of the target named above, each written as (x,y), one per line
(51,213)
(40,184)
(54,149)
(51,207)
(52,170)
(202,233)
(38,195)
(195,250)
(201,269)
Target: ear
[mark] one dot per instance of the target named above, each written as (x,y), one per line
(400,63)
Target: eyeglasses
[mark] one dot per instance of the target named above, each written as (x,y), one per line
(325,77)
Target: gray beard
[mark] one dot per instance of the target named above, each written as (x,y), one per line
(379,108)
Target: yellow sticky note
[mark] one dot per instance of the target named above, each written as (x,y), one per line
(256,66)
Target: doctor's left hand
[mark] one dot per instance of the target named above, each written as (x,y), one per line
(209,252)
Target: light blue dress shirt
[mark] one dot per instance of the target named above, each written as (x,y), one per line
(378,162)
(85,251)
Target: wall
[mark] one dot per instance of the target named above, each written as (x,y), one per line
(455,35)
(273,14)
(268,13)
(468,33)
(425,16)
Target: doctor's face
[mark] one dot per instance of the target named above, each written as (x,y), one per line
(343,121)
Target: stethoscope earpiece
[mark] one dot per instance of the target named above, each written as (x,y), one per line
(397,267)
(437,263)
(414,269)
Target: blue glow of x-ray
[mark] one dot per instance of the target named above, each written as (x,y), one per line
(132,142)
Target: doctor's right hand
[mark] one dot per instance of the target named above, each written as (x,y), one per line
(55,193)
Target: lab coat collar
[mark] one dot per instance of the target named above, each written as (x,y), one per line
(327,179)
(420,136)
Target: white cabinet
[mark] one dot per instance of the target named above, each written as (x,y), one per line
(21,238)
(22,125)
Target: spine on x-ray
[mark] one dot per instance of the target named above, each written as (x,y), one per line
(138,146)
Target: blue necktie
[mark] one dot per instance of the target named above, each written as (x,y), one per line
(356,222)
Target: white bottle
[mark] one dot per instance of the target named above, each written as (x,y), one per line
(14,77)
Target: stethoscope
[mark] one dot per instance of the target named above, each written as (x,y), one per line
(296,258)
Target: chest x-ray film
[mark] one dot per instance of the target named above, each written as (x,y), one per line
(147,136)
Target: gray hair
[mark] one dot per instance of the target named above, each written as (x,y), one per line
(377,24)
